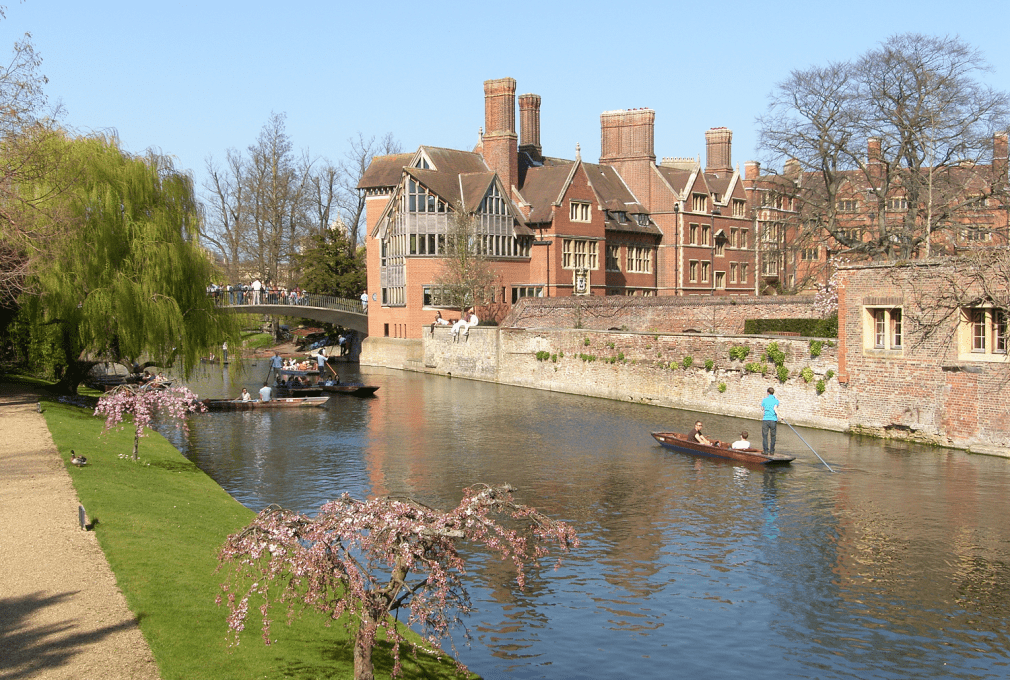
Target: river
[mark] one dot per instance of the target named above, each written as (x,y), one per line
(895,566)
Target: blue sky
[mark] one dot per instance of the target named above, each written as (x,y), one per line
(194,79)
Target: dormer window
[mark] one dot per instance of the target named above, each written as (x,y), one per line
(493,203)
(642,219)
(422,163)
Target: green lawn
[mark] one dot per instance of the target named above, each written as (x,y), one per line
(161,522)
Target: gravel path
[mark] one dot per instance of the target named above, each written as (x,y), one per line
(61,613)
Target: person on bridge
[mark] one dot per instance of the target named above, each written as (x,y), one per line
(364,301)
(256,288)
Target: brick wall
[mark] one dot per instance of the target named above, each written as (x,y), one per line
(663,314)
(924,391)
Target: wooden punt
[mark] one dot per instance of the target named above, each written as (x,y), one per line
(239,405)
(680,442)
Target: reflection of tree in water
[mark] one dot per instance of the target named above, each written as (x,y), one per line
(984,596)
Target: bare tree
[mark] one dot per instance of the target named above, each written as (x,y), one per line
(28,219)
(466,278)
(900,131)
(349,200)
(226,226)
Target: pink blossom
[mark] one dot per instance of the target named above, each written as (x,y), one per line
(369,559)
(144,402)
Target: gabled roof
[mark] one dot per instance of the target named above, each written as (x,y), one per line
(454,161)
(677,178)
(543,188)
(384,171)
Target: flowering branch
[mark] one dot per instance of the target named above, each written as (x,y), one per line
(356,557)
(144,402)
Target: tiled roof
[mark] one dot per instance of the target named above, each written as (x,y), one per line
(384,171)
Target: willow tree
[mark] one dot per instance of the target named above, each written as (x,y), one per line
(126,280)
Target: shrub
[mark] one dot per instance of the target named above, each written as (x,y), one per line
(610,345)
(783,373)
(709,364)
(820,387)
(755,367)
(620,356)
(586,342)
(739,352)
(808,328)
(774,354)
(561,355)
(722,387)
(543,355)
(554,358)
(807,374)
(688,360)
(830,374)
(588,357)
(815,348)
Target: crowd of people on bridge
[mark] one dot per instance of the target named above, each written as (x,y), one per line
(255,293)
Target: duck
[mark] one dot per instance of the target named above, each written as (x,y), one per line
(77,460)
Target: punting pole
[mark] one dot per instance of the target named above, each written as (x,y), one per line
(808,445)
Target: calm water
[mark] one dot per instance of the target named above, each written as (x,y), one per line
(896,567)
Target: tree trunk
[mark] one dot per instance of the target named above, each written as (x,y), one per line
(364,639)
(136,445)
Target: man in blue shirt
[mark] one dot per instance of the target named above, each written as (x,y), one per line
(769,422)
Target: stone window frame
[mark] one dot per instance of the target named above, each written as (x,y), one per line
(739,208)
(883,330)
(580,253)
(706,271)
(693,271)
(639,260)
(720,280)
(699,203)
(613,261)
(982,334)
(579,211)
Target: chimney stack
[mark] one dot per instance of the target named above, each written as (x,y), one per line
(751,170)
(500,140)
(529,126)
(627,143)
(719,147)
(1000,162)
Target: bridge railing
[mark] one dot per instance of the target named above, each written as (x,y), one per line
(238,298)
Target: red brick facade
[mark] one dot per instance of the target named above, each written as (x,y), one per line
(907,383)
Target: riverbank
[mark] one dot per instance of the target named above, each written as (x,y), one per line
(61,613)
(159,523)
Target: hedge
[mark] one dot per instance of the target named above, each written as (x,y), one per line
(807,328)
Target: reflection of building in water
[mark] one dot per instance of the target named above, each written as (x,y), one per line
(906,548)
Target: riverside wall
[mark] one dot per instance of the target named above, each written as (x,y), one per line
(632,366)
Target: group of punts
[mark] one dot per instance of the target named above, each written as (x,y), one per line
(282,402)
(680,442)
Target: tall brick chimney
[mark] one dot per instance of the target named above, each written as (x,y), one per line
(500,141)
(529,126)
(719,150)
(628,143)
(751,170)
(1000,162)
(873,158)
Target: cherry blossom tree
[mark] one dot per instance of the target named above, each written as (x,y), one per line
(144,402)
(356,559)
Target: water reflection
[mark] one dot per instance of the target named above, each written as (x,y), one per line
(896,567)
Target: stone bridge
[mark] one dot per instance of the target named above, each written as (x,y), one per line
(324,308)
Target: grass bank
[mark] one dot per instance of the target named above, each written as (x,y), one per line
(160,523)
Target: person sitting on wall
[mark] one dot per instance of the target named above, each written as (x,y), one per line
(695,435)
(439,321)
(460,325)
(741,443)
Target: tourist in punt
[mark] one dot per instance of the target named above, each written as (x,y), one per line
(321,360)
(695,435)
(742,442)
(265,392)
(769,422)
(245,396)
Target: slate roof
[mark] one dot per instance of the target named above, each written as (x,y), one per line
(384,171)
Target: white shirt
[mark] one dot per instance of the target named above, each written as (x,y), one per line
(742,444)
(265,393)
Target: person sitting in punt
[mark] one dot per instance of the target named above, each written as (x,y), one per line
(245,396)
(695,435)
(742,442)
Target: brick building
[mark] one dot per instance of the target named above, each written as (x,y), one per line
(551,226)
(789,210)
(923,353)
